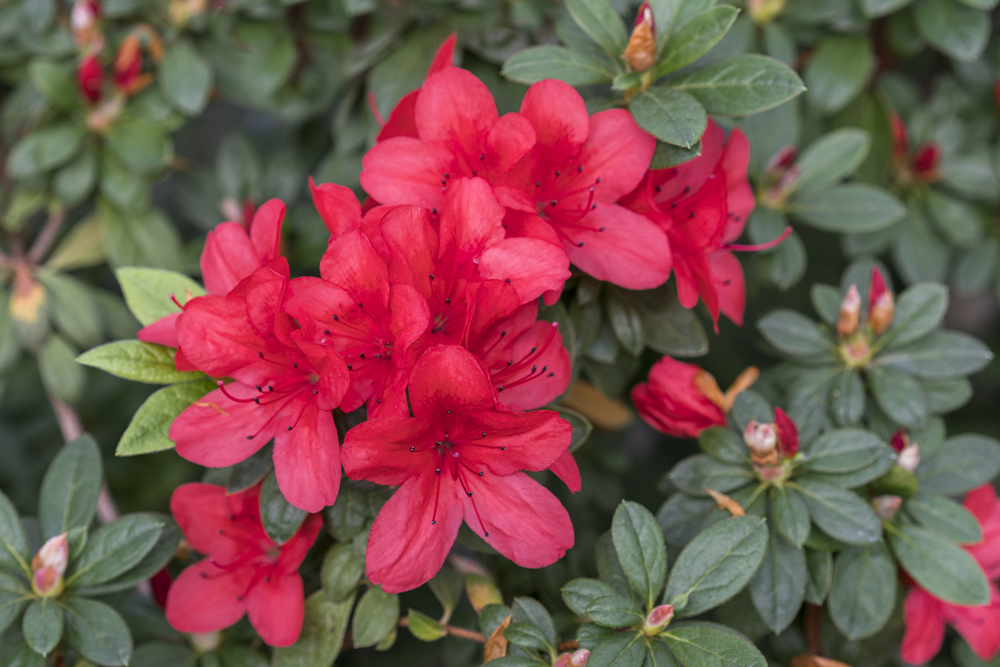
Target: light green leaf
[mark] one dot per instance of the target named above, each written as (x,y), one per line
(832,157)
(150,426)
(641,550)
(696,38)
(148,291)
(741,85)
(555,62)
(70,488)
(670,115)
(849,208)
(136,360)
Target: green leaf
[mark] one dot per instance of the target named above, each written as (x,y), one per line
(14,553)
(150,426)
(741,85)
(838,70)
(795,334)
(582,428)
(426,629)
(530,610)
(959,31)
(609,567)
(54,83)
(667,155)
(875,8)
(43,625)
(963,463)
(864,590)
(945,517)
(898,394)
(155,560)
(60,373)
(674,330)
(839,513)
(70,488)
(44,149)
(670,115)
(624,649)
(626,321)
(23,656)
(941,354)
(819,565)
(711,645)
(599,20)
(790,515)
(779,585)
(695,473)
(724,445)
(612,611)
(447,585)
(139,144)
(641,550)
(696,38)
(148,291)
(280,518)
(919,310)
(842,450)
(342,569)
(847,397)
(375,617)
(848,208)
(749,406)
(185,78)
(881,465)
(136,360)
(578,593)
(72,308)
(833,156)
(957,221)
(14,597)
(115,548)
(942,568)
(718,563)
(97,632)
(537,63)
(322,634)
(946,394)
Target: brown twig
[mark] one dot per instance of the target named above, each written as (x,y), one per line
(453,631)
(812,617)
(46,237)
(571,645)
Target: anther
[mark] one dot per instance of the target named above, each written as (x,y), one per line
(437,471)
(336,319)
(538,184)
(480,473)
(362,355)
(433,522)
(256,400)
(470,494)
(432,276)
(449,412)
(295,365)
(500,389)
(412,448)
(557,172)
(249,437)
(554,202)
(259,389)
(350,367)
(260,354)
(580,244)
(484,434)
(361,305)
(447,301)
(288,428)
(602,229)
(503,449)
(510,362)
(482,156)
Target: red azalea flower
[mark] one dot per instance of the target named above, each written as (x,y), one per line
(459,457)
(372,325)
(527,363)
(925,616)
(703,205)
(243,572)
(467,246)
(90,78)
(231,254)
(672,401)
(402,120)
(580,166)
(285,388)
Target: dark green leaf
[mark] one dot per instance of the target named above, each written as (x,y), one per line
(185,78)
(840,513)
(682,517)
(830,158)
(530,610)
(251,470)
(55,83)
(941,354)
(23,656)
(718,564)
(842,450)
(582,428)
(778,587)
(963,463)
(44,149)
(139,144)
(883,463)
(556,62)
(696,38)
(819,565)
(837,71)
(613,611)
(695,473)
(711,645)
(280,518)
(958,30)
(624,649)
(796,335)
(342,569)
(60,373)
(724,445)
(43,625)
(150,426)
(848,208)
(14,553)
(375,617)
(609,567)
(749,406)
(864,590)
(945,517)
(115,548)
(847,397)
(528,636)
(873,8)
(626,320)
(741,85)
(919,310)
(155,560)
(641,550)
(668,155)
(97,632)
(599,20)
(957,221)
(670,115)
(70,488)
(942,568)
(790,515)
(675,330)
(898,394)
(579,593)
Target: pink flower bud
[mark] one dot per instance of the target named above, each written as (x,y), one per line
(781,161)
(909,457)
(49,565)
(925,162)
(640,54)
(886,506)
(899,440)
(658,619)
(850,312)
(577,658)
(89,78)
(881,307)
(762,439)
(788,434)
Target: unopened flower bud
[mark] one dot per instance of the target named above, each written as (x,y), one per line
(203,642)
(658,619)
(90,78)
(850,312)
(886,506)
(83,21)
(781,161)
(899,440)
(640,54)
(48,567)
(909,458)
(764,11)
(27,302)
(925,163)
(762,439)
(788,434)
(577,658)
(881,307)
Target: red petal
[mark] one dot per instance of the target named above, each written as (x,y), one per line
(447,384)
(412,244)
(730,285)
(688,178)
(351,263)
(618,152)
(228,258)
(209,603)
(276,609)
(979,626)
(202,511)
(403,170)
(532,266)
(405,549)
(402,122)
(293,552)
(546,385)
(456,110)
(379,450)
(265,230)
(566,469)
(525,522)
(444,57)
(509,140)
(213,431)
(163,331)
(337,206)
(532,440)
(924,627)
(471,220)
(307,459)
(559,115)
(788,433)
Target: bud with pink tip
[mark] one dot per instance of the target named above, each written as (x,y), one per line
(658,619)
(909,457)
(886,506)
(850,312)
(640,54)
(881,307)
(762,439)
(577,658)
(788,434)
(48,567)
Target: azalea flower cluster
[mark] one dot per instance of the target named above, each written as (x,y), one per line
(426,314)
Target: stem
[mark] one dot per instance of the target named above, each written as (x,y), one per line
(812,629)
(453,631)
(46,237)
(571,645)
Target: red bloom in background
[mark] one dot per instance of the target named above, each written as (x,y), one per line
(285,388)
(579,167)
(703,205)
(372,325)
(459,457)
(402,120)
(90,78)
(467,246)
(231,254)
(788,434)
(243,572)
(672,401)
(925,616)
